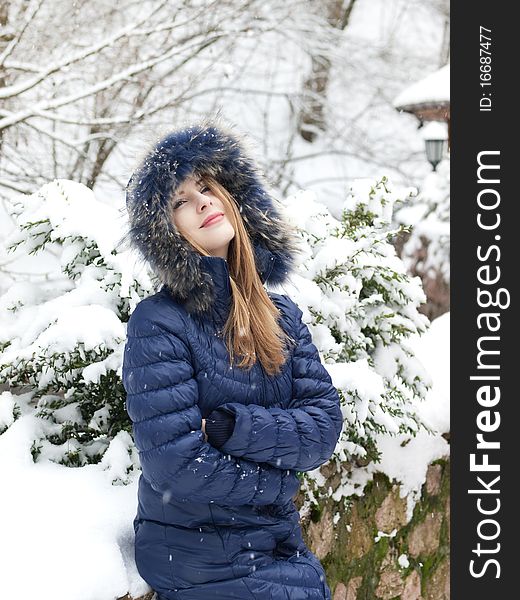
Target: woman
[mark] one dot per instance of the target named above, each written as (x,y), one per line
(226,392)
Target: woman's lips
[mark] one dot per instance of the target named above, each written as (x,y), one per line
(214,220)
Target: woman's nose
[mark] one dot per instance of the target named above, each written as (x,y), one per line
(202,200)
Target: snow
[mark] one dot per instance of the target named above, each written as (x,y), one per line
(359,376)
(403,561)
(429,214)
(430,90)
(72,325)
(435,130)
(433,349)
(408,463)
(382,534)
(410,215)
(72,526)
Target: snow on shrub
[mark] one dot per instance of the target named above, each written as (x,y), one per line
(61,340)
(361,305)
(430,218)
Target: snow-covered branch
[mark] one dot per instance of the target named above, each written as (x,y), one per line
(70,59)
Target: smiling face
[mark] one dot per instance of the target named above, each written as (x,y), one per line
(191,204)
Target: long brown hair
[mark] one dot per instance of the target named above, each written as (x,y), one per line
(252,330)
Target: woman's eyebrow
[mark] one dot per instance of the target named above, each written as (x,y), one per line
(182,193)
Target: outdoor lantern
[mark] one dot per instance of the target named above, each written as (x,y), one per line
(429,101)
(434,136)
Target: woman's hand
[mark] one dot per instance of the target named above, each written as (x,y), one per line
(204,429)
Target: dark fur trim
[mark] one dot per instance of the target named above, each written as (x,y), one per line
(212,148)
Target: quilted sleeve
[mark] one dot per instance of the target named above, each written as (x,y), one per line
(162,402)
(303,435)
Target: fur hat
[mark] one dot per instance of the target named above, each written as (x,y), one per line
(206,147)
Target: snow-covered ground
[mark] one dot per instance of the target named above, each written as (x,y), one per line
(67,532)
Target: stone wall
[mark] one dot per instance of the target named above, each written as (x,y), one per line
(410,562)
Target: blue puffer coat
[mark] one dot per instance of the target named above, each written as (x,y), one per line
(220,522)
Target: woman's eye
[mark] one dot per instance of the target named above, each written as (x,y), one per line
(202,191)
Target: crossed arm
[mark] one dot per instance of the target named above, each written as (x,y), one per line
(300,437)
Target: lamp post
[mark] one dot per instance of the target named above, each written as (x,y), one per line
(434,136)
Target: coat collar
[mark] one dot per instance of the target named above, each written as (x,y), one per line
(217,268)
